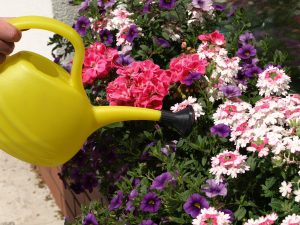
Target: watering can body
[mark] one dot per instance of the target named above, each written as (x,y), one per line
(45,115)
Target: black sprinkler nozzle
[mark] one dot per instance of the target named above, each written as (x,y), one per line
(182,121)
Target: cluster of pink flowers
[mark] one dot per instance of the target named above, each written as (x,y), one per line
(271,219)
(228,163)
(98,62)
(189,101)
(273,81)
(291,220)
(182,66)
(140,84)
(269,126)
(211,216)
(225,68)
(263,220)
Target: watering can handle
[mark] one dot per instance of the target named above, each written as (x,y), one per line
(45,23)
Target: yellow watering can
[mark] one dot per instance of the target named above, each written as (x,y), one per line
(45,115)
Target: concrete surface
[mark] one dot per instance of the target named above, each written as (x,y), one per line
(23,200)
(63,11)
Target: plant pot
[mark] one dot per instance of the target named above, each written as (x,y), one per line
(68,201)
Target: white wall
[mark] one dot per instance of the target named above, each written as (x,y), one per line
(32,40)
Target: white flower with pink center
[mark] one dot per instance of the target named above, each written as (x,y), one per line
(118,19)
(230,163)
(273,81)
(189,101)
(259,146)
(263,220)
(211,216)
(291,220)
(231,113)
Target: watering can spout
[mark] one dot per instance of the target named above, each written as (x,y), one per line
(182,121)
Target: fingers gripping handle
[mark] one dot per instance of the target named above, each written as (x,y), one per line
(45,23)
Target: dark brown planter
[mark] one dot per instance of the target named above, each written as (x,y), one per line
(68,202)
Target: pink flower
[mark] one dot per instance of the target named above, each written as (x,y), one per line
(98,62)
(263,220)
(211,216)
(291,220)
(182,66)
(140,84)
(228,163)
(215,38)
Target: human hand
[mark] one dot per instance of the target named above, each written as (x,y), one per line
(8,35)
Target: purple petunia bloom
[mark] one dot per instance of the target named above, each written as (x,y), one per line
(136,182)
(147,5)
(90,219)
(106,37)
(219,7)
(160,181)
(221,130)
(106,3)
(241,78)
(124,60)
(84,5)
(90,181)
(82,25)
(212,188)
(205,5)
(246,38)
(116,202)
(129,206)
(194,204)
(133,194)
(252,71)
(147,222)
(191,78)
(230,213)
(231,91)
(167,4)
(162,42)
(246,51)
(132,33)
(150,203)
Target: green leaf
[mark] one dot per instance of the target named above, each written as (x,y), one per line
(177,220)
(240,213)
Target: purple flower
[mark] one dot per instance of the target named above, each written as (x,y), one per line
(90,219)
(246,51)
(167,4)
(106,37)
(82,25)
(194,204)
(191,78)
(136,182)
(133,194)
(150,203)
(162,42)
(252,71)
(77,187)
(241,78)
(129,206)
(84,5)
(132,33)
(246,38)
(231,91)
(219,7)
(106,3)
(146,8)
(212,188)
(221,130)
(147,222)
(90,181)
(116,202)
(205,5)
(160,181)
(230,213)
(124,60)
